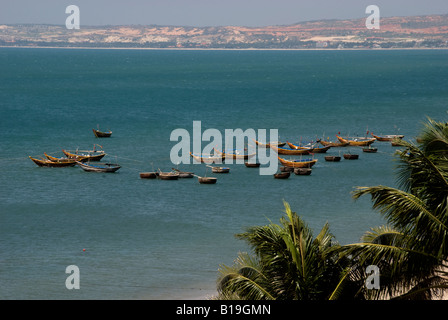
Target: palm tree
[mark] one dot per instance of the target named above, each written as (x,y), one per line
(288,263)
(412,251)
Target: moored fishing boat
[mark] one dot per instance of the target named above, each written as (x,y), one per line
(290,151)
(350,156)
(148,175)
(207,180)
(307,163)
(102,134)
(220,169)
(357,141)
(282,175)
(235,155)
(62,159)
(184,174)
(53,163)
(311,149)
(369,149)
(85,155)
(286,169)
(272,143)
(332,158)
(303,171)
(208,159)
(106,167)
(388,137)
(252,165)
(172,175)
(333,144)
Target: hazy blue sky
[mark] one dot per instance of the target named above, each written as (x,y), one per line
(208,12)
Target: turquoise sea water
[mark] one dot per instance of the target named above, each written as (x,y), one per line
(152,239)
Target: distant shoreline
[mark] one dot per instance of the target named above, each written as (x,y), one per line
(226,49)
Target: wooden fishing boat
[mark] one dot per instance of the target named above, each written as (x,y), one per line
(60,160)
(333,144)
(148,175)
(388,137)
(282,175)
(209,159)
(184,174)
(320,150)
(207,180)
(286,169)
(332,158)
(290,151)
(357,141)
(268,145)
(310,149)
(220,169)
(102,134)
(168,175)
(369,149)
(303,171)
(307,163)
(106,167)
(53,163)
(83,156)
(252,165)
(350,156)
(235,155)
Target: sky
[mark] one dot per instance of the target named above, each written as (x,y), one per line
(201,13)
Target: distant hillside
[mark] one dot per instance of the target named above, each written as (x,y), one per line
(429,31)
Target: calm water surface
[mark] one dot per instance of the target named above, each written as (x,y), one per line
(151,239)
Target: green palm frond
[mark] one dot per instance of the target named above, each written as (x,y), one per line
(434,137)
(244,279)
(338,290)
(405,211)
(288,262)
(382,235)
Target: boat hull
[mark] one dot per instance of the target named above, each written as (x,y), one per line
(351,156)
(53,163)
(148,175)
(282,175)
(208,160)
(310,150)
(83,157)
(297,164)
(220,170)
(389,137)
(270,144)
(291,152)
(106,168)
(303,171)
(252,165)
(101,134)
(235,155)
(333,144)
(358,143)
(207,180)
(168,176)
(184,174)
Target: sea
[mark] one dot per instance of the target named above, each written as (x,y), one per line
(133,238)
